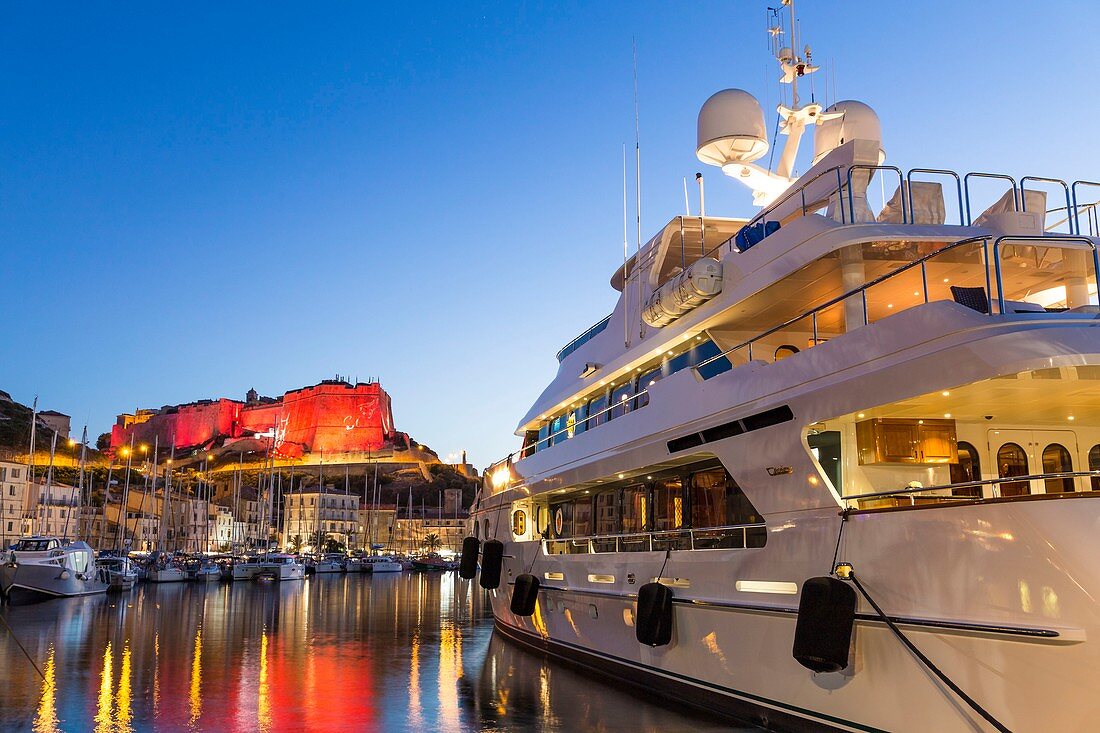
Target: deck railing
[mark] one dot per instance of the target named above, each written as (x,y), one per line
(734,536)
(924,494)
(988,245)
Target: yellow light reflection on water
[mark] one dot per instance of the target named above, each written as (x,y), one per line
(450,648)
(416,712)
(123,712)
(105,703)
(263,708)
(45,719)
(156,675)
(196,678)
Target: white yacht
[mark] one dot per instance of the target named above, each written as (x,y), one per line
(40,568)
(383,564)
(281,567)
(829,465)
(118,571)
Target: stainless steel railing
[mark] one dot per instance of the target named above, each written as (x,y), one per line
(922,492)
(733,536)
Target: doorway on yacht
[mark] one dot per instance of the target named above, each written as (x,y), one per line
(1029,453)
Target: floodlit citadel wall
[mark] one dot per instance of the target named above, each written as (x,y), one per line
(330,417)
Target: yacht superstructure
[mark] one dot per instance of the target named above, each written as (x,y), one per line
(836,394)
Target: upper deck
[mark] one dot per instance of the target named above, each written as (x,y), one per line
(841,258)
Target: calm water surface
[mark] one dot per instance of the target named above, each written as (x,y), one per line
(402,652)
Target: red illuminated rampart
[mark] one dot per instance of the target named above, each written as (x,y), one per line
(333,417)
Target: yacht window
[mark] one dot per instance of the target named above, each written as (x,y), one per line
(561,519)
(1056,459)
(558,429)
(707,350)
(634,509)
(825,447)
(519,522)
(645,381)
(530,442)
(717,501)
(968,469)
(1094,465)
(678,362)
(582,518)
(579,416)
(607,513)
(668,505)
(596,411)
(620,400)
(1012,461)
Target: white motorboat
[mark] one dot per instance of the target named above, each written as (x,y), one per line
(840,426)
(281,567)
(41,568)
(328,563)
(120,573)
(383,564)
(202,569)
(164,568)
(356,564)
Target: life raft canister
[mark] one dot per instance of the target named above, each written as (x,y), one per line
(525,595)
(467,567)
(826,617)
(653,622)
(492,558)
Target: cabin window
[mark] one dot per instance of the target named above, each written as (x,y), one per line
(620,400)
(825,447)
(1094,465)
(717,501)
(544,433)
(635,509)
(597,411)
(579,422)
(668,505)
(561,519)
(1056,459)
(1012,461)
(678,362)
(708,350)
(969,468)
(582,518)
(519,522)
(559,429)
(645,381)
(607,513)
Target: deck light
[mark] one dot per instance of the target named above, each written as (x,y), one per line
(947,414)
(1071,417)
(861,415)
(622,475)
(946,393)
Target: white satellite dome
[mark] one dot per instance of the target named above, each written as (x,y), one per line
(857,122)
(731,129)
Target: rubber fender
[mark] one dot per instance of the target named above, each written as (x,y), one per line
(467,567)
(525,595)
(653,622)
(492,558)
(826,618)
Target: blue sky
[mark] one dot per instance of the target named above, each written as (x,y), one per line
(197,199)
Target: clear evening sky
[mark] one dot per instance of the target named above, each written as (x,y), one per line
(200,198)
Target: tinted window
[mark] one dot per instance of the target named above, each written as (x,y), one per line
(1012,461)
(717,500)
(1056,459)
(634,509)
(668,505)
(544,432)
(645,381)
(620,403)
(579,416)
(559,429)
(596,411)
(707,350)
(607,513)
(1094,465)
(967,469)
(826,449)
(582,517)
(561,519)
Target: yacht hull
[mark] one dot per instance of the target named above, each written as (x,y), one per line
(29,583)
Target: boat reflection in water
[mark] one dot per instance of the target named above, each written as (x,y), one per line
(401,652)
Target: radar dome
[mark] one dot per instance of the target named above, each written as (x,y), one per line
(731,129)
(855,121)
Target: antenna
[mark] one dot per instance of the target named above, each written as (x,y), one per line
(638,185)
(687,208)
(626,255)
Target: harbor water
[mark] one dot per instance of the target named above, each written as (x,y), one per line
(401,652)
